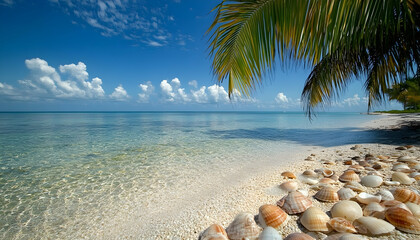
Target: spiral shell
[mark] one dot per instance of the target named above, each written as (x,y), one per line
(327,194)
(214,232)
(243,227)
(289,186)
(288,174)
(269,233)
(367,198)
(403,220)
(294,202)
(348,176)
(347,209)
(342,225)
(271,215)
(372,226)
(299,236)
(402,178)
(314,219)
(406,195)
(346,193)
(371,181)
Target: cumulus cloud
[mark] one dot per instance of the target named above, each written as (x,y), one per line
(193,83)
(217,94)
(119,94)
(199,96)
(172,92)
(146,90)
(281,98)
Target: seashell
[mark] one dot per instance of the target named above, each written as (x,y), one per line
(385,194)
(243,227)
(382,157)
(416,167)
(345,236)
(356,168)
(214,232)
(346,193)
(400,166)
(327,181)
(348,162)
(372,226)
(310,173)
(391,203)
(357,158)
(334,177)
(308,180)
(367,198)
(403,220)
(364,164)
(355,186)
(392,183)
(372,208)
(414,209)
(402,178)
(342,225)
(327,194)
(289,186)
(328,162)
(271,215)
(347,209)
(369,168)
(371,181)
(294,202)
(304,192)
(401,148)
(298,236)
(288,174)
(406,195)
(405,159)
(414,175)
(314,219)
(327,172)
(269,233)
(348,176)
(375,173)
(377,166)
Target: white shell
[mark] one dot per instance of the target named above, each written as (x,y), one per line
(385,194)
(372,226)
(346,193)
(414,208)
(402,178)
(304,192)
(367,198)
(392,183)
(355,186)
(400,166)
(373,207)
(269,233)
(371,181)
(308,180)
(316,220)
(347,209)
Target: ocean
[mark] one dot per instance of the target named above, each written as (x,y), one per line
(63,175)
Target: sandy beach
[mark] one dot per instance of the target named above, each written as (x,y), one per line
(221,204)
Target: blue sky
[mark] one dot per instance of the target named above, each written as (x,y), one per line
(114,55)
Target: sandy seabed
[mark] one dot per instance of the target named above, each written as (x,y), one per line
(222,203)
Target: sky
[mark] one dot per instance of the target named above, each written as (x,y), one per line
(130,55)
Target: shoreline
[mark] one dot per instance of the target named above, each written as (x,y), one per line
(223,203)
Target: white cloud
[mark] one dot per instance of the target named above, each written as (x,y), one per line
(167,91)
(193,83)
(237,97)
(119,94)
(281,98)
(172,91)
(8,3)
(217,94)
(353,101)
(147,89)
(199,96)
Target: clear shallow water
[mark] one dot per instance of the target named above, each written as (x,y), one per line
(62,174)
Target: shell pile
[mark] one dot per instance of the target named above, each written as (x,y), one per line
(364,195)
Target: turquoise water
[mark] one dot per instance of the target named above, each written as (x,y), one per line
(63,174)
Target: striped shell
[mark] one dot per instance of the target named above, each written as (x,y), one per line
(342,225)
(299,236)
(314,219)
(406,195)
(289,186)
(372,226)
(214,232)
(403,220)
(402,178)
(294,202)
(271,215)
(327,194)
(371,181)
(355,186)
(288,174)
(327,181)
(346,193)
(348,176)
(269,233)
(385,194)
(347,209)
(243,227)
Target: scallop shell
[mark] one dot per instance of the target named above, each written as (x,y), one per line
(271,215)
(334,177)
(392,183)
(403,220)
(310,173)
(288,174)
(289,186)
(243,227)
(406,195)
(308,180)
(314,219)
(327,194)
(372,226)
(372,208)
(346,193)
(327,181)
(342,225)
(402,178)
(347,209)
(371,181)
(304,192)
(367,198)
(355,186)
(327,172)
(385,194)
(348,176)
(214,232)
(269,233)
(414,208)
(298,236)
(294,202)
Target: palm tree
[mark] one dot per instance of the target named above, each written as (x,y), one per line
(339,40)
(406,92)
